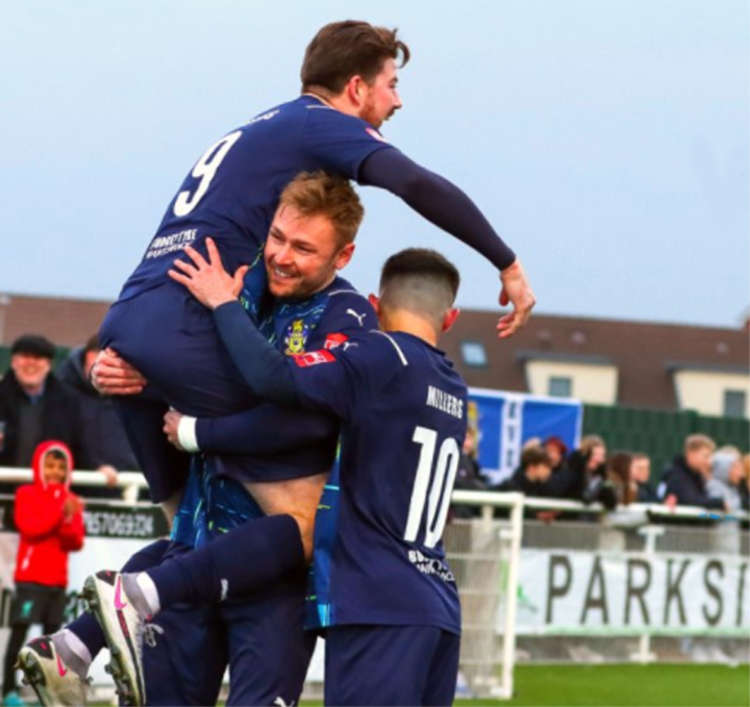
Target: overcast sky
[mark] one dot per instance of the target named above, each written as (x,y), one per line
(607,141)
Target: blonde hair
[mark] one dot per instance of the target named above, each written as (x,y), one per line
(319,193)
(589,442)
(698,441)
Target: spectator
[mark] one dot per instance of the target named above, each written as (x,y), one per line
(557,450)
(619,474)
(531,476)
(726,479)
(468,474)
(585,477)
(640,473)
(745,484)
(556,484)
(49,520)
(34,405)
(104,445)
(685,481)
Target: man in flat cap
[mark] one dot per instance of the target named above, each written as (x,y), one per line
(34,405)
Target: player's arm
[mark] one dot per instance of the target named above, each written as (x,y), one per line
(351,147)
(449,208)
(267,372)
(263,430)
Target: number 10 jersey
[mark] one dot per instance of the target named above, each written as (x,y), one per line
(378,556)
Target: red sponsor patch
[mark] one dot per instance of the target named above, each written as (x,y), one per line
(313,358)
(334,340)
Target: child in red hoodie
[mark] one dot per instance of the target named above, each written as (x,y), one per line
(49,519)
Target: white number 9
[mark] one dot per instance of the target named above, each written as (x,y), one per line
(205,169)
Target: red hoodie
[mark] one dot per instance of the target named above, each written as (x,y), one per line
(46,535)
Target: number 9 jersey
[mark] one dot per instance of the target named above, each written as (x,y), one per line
(378,556)
(232,191)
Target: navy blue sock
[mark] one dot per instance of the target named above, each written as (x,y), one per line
(86,627)
(233,565)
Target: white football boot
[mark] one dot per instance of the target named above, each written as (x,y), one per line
(123,631)
(53,681)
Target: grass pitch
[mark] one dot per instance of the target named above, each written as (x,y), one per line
(662,685)
(626,685)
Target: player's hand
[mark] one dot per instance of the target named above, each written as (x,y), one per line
(113,375)
(171,423)
(516,291)
(670,501)
(208,281)
(110,474)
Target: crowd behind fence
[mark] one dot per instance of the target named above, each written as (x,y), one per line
(544,591)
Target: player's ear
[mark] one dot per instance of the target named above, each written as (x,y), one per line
(450,317)
(344,256)
(355,88)
(374,300)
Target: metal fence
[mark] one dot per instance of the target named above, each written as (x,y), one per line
(641,583)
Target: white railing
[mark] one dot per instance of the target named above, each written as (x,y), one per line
(487,500)
(131,482)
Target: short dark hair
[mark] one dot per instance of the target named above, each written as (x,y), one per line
(533,456)
(341,50)
(57,454)
(420,261)
(421,281)
(33,344)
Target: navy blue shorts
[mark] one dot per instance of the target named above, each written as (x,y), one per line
(186,649)
(269,651)
(170,338)
(184,656)
(390,665)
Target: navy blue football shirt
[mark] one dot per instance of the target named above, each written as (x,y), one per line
(378,556)
(324,321)
(232,191)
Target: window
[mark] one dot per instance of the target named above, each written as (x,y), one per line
(473,353)
(559,386)
(734,403)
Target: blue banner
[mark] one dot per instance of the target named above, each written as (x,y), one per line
(506,421)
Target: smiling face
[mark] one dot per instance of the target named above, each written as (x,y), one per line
(302,253)
(30,370)
(54,468)
(381,99)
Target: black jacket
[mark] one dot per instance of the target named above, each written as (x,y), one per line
(588,486)
(104,440)
(647,494)
(520,482)
(689,486)
(60,417)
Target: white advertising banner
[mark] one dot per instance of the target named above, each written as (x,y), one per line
(572,592)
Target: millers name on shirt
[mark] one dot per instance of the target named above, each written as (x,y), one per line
(445,402)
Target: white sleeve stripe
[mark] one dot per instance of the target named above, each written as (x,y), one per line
(395,345)
(347,292)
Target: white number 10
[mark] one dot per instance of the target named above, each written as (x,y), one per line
(205,169)
(447,463)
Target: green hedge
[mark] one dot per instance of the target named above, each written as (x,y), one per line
(660,434)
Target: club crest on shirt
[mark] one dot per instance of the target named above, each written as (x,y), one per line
(296,337)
